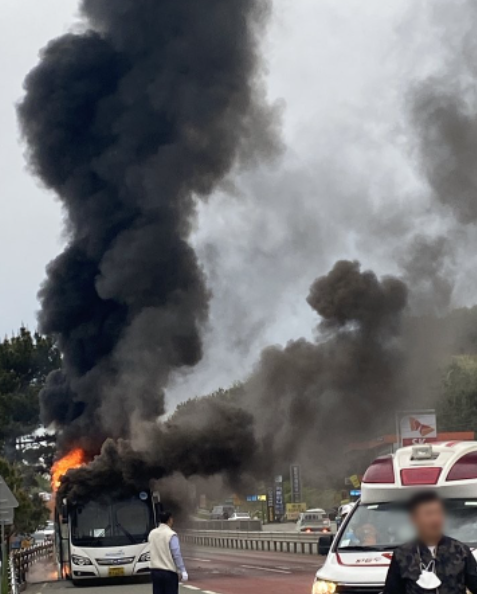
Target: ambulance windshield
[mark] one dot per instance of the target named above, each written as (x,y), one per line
(384,526)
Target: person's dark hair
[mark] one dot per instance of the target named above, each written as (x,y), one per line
(164,517)
(422,498)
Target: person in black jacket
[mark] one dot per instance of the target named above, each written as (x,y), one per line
(432,562)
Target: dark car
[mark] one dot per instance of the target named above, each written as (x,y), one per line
(222,512)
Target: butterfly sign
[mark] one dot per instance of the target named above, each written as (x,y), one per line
(417,427)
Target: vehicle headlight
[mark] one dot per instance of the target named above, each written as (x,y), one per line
(77,560)
(145,557)
(323,587)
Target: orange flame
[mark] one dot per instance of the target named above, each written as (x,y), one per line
(73,459)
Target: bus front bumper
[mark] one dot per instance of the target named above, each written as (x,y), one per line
(95,571)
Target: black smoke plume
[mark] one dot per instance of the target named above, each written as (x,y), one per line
(128,122)
(444,114)
(300,401)
(446,128)
(315,397)
(214,438)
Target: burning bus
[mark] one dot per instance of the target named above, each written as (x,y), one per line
(105,536)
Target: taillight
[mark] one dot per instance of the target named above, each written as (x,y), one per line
(420,476)
(465,468)
(380,471)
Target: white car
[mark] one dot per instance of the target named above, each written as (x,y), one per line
(239,516)
(39,537)
(313,520)
(49,530)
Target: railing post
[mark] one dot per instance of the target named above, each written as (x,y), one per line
(20,562)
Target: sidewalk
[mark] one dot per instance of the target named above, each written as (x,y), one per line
(43,571)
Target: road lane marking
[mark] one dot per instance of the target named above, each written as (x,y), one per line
(265,569)
(198,559)
(198,589)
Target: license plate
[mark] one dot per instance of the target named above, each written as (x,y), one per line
(116,571)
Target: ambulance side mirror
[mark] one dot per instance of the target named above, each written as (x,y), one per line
(324,544)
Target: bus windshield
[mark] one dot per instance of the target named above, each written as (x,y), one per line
(116,524)
(384,526)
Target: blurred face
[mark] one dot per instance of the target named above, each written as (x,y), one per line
(428,519)
(170,522)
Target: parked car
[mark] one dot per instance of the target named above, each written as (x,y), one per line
(39,537)
(239,516)
(222,512)
(49,530)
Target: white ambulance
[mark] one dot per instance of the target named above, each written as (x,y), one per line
(360,554)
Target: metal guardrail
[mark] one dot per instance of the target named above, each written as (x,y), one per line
(21,561)
(13,585)
(279,542)
(229,525)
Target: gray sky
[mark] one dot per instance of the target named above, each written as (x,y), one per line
(346,187)
(30,220)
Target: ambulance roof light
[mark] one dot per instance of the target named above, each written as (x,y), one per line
(380,471)
(465,468)
(422,452)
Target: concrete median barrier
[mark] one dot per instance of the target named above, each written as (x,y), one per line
(227,525)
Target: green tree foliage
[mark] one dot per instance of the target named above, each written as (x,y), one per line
(314,496)
(26,359)
(192,406)
(457,407)
(32,511)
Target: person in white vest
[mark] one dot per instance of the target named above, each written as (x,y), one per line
(167,564)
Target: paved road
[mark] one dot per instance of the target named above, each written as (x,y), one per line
(221,571)
(65,587)
(228,571)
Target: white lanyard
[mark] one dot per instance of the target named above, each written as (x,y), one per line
(428,580)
